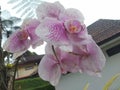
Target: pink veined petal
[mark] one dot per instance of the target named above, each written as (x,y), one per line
(30,25)
(78,38)
(52,31)
(69,62)
(70,14)
(94,61)
(17,42)
(66,48)
(47,9)
(49,70)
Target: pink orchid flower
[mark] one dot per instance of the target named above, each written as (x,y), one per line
(47,9)
(91,59)
(87,58)
(56,63)
(94,61)
(76,32)
(48,29)
(19,42)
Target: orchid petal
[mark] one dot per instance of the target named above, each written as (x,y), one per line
(52,31)
(49,70)
(30,25)
(66,48)
(69,62)
(70,14)
(48,49)
(49,10)
(93,61)
(17,42)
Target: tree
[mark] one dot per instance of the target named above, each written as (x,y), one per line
(3,79)
(7,26)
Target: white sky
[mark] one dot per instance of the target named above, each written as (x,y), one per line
(91,9)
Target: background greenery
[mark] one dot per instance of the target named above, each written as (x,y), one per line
(32,84)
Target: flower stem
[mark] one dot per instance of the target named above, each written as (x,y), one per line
(55,53)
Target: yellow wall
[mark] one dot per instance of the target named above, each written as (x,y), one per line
(26,70)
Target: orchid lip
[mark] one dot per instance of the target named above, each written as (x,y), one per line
(23,35)
(73,29)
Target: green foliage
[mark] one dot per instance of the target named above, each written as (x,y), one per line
(33,84)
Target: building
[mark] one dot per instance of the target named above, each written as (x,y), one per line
(28,66)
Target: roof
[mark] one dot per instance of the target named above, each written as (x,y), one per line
(31,59)
(104,30)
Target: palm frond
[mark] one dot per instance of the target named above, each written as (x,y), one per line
(12,1)
(26,11)
(18,4)
(25,7)
(28,14)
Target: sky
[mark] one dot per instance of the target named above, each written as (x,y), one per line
(92,10)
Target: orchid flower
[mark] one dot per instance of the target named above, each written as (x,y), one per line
(74,24)
(92,59)
(19,42)
(76,31)
(56,63)
(53,17)
(88,59)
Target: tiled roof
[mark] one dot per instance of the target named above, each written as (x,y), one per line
(104,29)
(31,59)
